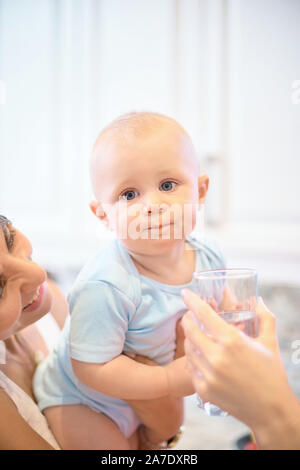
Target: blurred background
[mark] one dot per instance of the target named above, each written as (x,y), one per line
(228,70)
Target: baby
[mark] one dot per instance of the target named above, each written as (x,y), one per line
(147,189)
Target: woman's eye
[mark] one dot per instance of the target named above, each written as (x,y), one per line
(128,195)
(167,185)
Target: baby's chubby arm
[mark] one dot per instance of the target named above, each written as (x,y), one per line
(99,321)
(124,378)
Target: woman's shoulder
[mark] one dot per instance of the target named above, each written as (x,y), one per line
(13,399)
(5,394)
(8,408)
(15,432)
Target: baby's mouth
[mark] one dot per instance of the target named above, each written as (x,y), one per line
(159,226)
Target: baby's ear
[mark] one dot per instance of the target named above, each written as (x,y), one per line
(97,209)
(203,184)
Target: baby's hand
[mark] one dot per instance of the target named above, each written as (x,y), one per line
(141,359)
(179,352)
(179,379)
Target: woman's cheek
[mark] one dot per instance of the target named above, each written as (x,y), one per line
(9,316)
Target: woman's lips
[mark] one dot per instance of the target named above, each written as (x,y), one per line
(35,305)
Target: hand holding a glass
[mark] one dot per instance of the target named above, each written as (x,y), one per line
(232,294)
(238,373)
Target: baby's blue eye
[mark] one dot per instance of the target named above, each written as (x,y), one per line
(128,195)
(167,185)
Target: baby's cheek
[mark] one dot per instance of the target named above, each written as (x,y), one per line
(189,216)
(114,216)
(122,223)
(130,223)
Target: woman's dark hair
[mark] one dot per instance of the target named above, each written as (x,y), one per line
(4,221)
(9,233)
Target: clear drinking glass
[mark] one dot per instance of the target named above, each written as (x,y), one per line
(232,293)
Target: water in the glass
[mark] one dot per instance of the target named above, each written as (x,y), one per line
(232,294)
(245,321)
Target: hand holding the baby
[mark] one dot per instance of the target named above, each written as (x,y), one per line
(169,408)
(178,378)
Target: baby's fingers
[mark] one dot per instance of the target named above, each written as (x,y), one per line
(141,359)
(179,352)
(211,321)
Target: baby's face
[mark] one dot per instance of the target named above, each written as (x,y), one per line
(147,188)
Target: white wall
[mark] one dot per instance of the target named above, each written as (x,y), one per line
(263,147)
(225,69)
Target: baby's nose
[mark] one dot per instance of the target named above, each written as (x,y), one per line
(151,209)
(154,207)
(152,204)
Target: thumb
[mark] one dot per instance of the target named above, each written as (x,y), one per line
(267,325)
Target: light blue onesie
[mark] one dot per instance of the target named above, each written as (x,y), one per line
(114,309)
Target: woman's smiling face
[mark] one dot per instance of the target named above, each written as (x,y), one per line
(24,294)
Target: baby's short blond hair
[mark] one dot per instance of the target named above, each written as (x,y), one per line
(137,124)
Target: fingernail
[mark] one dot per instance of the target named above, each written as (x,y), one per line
(184,292)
